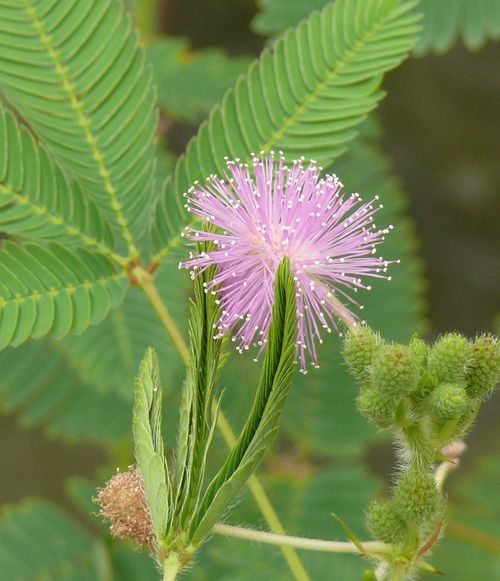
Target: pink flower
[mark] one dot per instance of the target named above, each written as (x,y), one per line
(264,213)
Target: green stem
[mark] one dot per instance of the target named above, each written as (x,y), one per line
(146,282)
(145,18)
(171,566)
(371,547)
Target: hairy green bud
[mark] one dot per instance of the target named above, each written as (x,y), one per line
(384,522)
(468,416)
(394,371)
(369,575)
(484,371)
(377,407)
(448,400)
(417,497)
(418,350)
(449,358)
(360,345)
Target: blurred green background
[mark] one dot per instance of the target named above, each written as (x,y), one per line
(440,125)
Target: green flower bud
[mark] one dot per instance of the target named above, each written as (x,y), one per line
(418,350)
(484,371)
(417,497)
(447,401)
(369,575)
(384,522)
(377,407)
(426,384)
(468,417)
(449,358)
(394,371)
(360,345)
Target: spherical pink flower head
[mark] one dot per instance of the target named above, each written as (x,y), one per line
(271,211)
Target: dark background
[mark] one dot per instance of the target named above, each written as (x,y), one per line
(441,128)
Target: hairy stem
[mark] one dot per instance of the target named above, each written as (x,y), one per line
(146,282)
(171,566)
(371,547)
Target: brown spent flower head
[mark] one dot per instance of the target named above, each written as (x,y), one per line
(123,503)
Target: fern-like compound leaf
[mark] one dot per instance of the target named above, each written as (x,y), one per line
(445,22)
(37,201)
(305,96)
(42,386)
(149,452)
(39,541)
(262,424)
(54,291)
(76,74)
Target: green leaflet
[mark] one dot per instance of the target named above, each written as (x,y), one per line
(38,541)
(39,384)
(197,417)
(304,96)
(149,453)
(262,423)
(190,82)
(445,21)
(36,199)
(54,291)
(75,72)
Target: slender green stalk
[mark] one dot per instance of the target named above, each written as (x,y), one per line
(145,18)
(146,282)
(371,547)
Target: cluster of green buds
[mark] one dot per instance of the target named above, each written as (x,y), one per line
(427,396)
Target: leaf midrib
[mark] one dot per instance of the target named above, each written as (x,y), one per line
(37,295)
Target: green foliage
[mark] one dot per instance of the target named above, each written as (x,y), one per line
(108,355)
(197,417)
(36,199)
(40,384)
(148,440)
(262,423)
(40,542)
(297,97)
(444,23)
(75,73)
(304,497)
(52,290)
(191,82)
